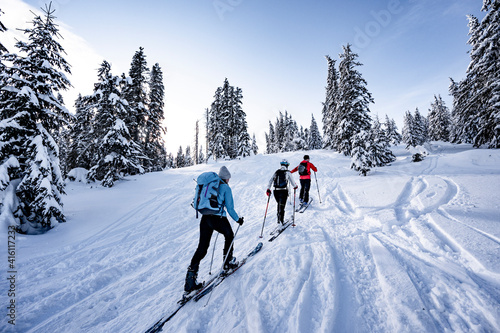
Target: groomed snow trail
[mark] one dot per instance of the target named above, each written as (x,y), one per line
(413,247)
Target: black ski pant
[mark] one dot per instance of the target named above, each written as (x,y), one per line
(208,224)
(305,185)
(281,196)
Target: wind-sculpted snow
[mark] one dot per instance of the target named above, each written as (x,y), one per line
(413,247)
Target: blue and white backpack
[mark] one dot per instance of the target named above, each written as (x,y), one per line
(206,194)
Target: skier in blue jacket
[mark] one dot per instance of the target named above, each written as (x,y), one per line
(219,223)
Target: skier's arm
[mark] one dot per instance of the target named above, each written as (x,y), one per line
(271,181)
(294,169)
(313,167)
(229,203)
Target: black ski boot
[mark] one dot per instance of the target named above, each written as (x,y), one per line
(191,283)
(232,264)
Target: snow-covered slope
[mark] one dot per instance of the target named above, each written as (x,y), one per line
(413,247)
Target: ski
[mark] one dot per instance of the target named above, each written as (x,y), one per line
(303,207)
(224,275)
(157,327)
(279,231)
(196,295)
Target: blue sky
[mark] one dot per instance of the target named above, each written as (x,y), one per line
(273,50)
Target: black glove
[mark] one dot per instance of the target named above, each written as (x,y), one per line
(240,221)
(268,192)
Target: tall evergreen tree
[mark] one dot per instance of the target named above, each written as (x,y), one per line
(154,145)
(271,140)
(201,156)
(360,156)
(439,121)
(391,131)
(30,112)
(188,160)
(114,152)
(409,131)
(136,95)
(329,106)
(315,141)
(227,127)
(80,154)
(378,149)
(476,99)
(352,104)
(255,148)
(421,128)
(180,160)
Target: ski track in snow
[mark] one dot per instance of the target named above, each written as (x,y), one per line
(410,248)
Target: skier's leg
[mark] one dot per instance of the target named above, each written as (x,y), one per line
(222,225)
(205,235)
(277,198)
(203,244)
(282,205)
(307,186)
(302,189)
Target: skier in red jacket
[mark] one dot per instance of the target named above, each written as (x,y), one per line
(304,169)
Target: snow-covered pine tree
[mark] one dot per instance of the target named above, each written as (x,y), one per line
(179,160)
(291,134)
(201,156)
(188,160)
(439,121)
(315,141)
(214,140)
(476,99)
(114,153)
(170,161)
(227,127)
(300,142)
(421,128)
(241,136)
(378,148)
(271,140)
(391,131)
(255,148)
(409,137)
(154,145)
(330,105)
(353,101)
(30,111)
(485,69)
(136,94)
(360,157)
(79,154)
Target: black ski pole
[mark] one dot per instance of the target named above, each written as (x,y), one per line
(294,190)
(317,186)
(262,231)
